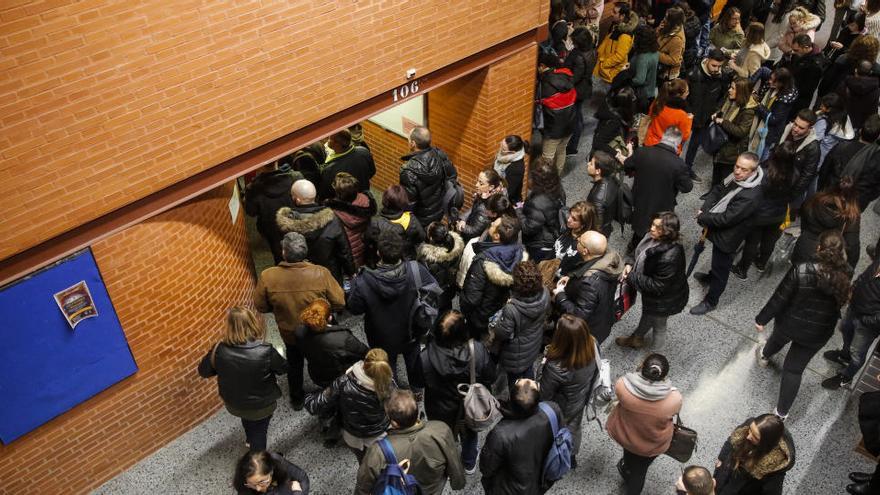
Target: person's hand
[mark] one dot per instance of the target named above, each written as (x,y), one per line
(717,463)
(295,486)
(560,285)
(459,226)
(699,212)
(718,120)
(619,156)
(759,328)
(836,45)
(626,270)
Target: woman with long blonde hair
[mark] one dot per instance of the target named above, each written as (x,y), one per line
(240,361)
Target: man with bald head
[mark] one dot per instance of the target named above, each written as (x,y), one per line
(587,291)
(426,175)
(327,243)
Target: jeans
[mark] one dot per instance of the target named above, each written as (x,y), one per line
(793,367)
(553,150)
(410,358)
(721,264)
(296,363)
(857,339)
(572,147)
(469,444)
(635,468)
(759,245)
(512,376)
(703,38)
(256,432)
(655,322)
(693,146)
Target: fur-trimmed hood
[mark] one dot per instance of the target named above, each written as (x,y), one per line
(807,140)
(781,458)
(497,275)
(304,219)
(430,253)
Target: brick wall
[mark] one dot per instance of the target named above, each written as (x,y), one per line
(170,280)
(105,101)
(387,148)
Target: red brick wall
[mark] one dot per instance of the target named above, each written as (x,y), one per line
(387,148)
(105,101)
(170,280)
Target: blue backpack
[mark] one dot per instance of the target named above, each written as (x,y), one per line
(393,480)
(558,460)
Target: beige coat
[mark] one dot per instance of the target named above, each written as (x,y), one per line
(671,51)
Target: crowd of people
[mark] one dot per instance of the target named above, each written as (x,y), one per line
(512,294)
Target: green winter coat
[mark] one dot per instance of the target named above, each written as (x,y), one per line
(737,124)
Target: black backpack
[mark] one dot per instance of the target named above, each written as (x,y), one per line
(426,306)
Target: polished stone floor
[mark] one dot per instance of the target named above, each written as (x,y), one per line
(712,363)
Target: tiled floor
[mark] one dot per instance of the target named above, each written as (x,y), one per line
(712,363)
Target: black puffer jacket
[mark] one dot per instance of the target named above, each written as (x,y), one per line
(581,65)
(774,202)
(706,94)
(589,293)
(817,218)
(329,352)
(865,304)
(520,330)
(662,283)
(245,374)
(442,369)
(512,458)
(403,223)
(540,220)
(487,284)
(610,126)
(477,220)
(806,162)
(325,236)
(358,162)
(766,477)
(424,178)
(354,396)
(804,309)
(568,388)
(730,227)
(263,197)
(603,196)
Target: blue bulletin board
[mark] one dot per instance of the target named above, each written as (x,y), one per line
(47,367)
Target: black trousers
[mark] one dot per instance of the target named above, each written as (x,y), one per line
(759,245)
(796,361)
(256,432)
(721,264)
(296,363)
(636,468)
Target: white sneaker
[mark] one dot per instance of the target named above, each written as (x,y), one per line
(759,353)
(780,416)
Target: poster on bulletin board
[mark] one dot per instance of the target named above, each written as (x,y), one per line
(62,344)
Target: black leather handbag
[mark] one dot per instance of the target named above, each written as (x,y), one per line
(684,441)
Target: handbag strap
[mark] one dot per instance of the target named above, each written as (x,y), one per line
(551,415)
(387,451)
(473,362)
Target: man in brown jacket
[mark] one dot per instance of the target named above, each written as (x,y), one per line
(429,447)
(285,290)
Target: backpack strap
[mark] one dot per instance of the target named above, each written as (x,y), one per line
(551,415)
(473,362)
(417,278)
(387,451)
(414,268)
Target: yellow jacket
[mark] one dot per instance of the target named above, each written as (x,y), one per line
(612,56)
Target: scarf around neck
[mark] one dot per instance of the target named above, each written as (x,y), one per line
(503,160)
(645,244)
(645,389)
(752,181)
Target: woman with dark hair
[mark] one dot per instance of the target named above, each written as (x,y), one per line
(853,26)
(775,98)
(511,166)
(777,192)
(727,34)
(832,126)
(245,367)
(489,182)
(354,209)
(863,47)
(581,217)
(395,217)
(836,208)
(806,306)
(643,63)
(642,422)
(754,52)
(615,117)
(568,369)
(540,213)
(581,60)
(669,109)
(755,458)
(735,117)
(269,473)
(602,169)
(670,37)
(444,364)
(657,271)
(692,27)
(441,253)
(518,330)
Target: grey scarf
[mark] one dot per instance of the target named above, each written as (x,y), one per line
(645,244)
(502,161)
(645,389)
(753,181)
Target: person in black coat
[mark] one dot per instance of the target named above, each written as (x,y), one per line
(660,175)
(581,60)
(394,218)
(869,424)
(269,473)
(358,395)
(861,92)
(602,169)
(726,217)
(385,296)
(263,197)
(425,175)
(324,233)
(245,367)
(511,166)
(806,306)
(707,88)
(518,331)
(540,213)
(444,364)
(588,290)
(441,253)
(806,69)
(512,460)
(800,133)
(307,162)
(558,96)
(346,157)
(489,278)
(835,209)
(657,271)
(615,116)
(488,196)
(838,160)
(755,458)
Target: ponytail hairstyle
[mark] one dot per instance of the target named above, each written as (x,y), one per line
(655,367)
(437,234)
(377,368)
(770,429)
(780,167)
(315,315)
(836,113)
(834,272)
(671,94)
(516,143)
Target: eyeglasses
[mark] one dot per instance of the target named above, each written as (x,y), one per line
(259,484)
